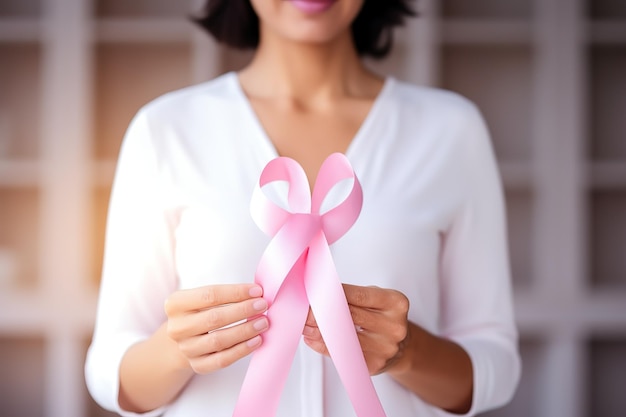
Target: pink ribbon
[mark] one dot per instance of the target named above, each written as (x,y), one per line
(297,270)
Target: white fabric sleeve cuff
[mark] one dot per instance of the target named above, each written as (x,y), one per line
(102,373)
(496,370)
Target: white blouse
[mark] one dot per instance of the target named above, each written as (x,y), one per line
(432,226)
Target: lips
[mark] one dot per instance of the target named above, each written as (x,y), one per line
(312,6)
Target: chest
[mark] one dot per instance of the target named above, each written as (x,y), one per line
(310,135)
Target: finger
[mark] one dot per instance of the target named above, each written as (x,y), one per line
(215,361)
(375,298)
(214,318)
(210,296)
(311,332)
(373,321)
(223,339)
(310,319)
(375,346)
(368,320)
(317,345)
(379,354)
(376,364)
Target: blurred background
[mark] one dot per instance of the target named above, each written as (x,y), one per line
(549,76)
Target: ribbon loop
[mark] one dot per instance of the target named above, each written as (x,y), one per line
(296,270)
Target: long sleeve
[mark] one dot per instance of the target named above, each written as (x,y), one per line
(138,272)
(432,226)
(476,289)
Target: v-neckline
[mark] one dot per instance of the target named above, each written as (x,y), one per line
(358,137)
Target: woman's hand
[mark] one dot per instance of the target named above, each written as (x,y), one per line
(380,318)
(216,325)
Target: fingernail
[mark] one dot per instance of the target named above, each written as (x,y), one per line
(308,331)
(260,305)
(260,324)
(255,291)
(255,341)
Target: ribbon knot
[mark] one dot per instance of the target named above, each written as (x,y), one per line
(297,271)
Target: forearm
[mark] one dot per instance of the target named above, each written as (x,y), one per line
(152,373)
(437,370)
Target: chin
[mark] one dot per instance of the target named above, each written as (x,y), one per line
(308,21)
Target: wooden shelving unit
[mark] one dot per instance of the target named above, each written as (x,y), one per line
(549,76)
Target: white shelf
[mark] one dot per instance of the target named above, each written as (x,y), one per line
(608,32)
(602,311)
(486,9)
(104,172)
(607,175)
(141,8)
(148,30)
(485,32)
(19,173)
(516,175)
(19,30)
(18,317)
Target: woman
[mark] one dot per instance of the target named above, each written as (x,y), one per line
(425,267)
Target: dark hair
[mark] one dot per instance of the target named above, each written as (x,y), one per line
(234,23)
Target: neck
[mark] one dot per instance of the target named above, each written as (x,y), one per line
(305,72)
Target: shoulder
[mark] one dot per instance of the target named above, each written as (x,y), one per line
(182,120)
(444,117)
(437,103)
(218,93)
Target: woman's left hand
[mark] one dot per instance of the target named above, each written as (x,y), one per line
(380,319)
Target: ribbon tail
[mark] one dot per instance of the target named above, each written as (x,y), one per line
(271,362)
(329,305)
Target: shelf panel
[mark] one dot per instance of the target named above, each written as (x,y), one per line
(477,31)
(31,311)
(161,30)
(608,32)
(20,8)
(127,77)
(516,175)
(486,8)
(608,239)
(104,172)
(20,100)
(482,73)
(19,173)
(141,8)
(519,217)
(527,398)
(608,175)
(19,30)
(603,310)
(606,9)
(22,377)
(19,226)
(608,101)
(607,377)
(100,206)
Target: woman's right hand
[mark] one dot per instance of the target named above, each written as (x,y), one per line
(216,325)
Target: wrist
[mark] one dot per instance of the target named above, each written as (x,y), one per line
(177,361)
(405,358)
